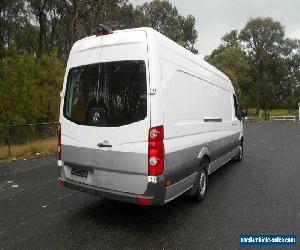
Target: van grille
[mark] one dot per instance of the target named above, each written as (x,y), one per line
(79,172)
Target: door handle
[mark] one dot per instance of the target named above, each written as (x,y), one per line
(104,144)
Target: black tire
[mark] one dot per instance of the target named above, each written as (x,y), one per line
(239,156)
(201,182)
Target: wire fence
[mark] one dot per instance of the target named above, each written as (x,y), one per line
(21,140)
(27,139)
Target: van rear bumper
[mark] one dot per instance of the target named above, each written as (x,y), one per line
(155,192)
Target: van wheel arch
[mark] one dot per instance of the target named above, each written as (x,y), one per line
(194,190)
(205,158)
(239,156)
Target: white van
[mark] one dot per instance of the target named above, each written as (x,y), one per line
(143,120)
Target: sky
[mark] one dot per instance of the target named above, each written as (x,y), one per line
(214,18)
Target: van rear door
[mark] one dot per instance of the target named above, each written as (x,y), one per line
(107,109)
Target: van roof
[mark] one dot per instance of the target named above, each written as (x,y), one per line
(122,37)
(117,37)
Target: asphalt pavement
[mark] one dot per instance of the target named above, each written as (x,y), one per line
(260,195)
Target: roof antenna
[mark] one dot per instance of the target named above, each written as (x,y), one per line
(102,30)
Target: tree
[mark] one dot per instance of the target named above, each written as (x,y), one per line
(12,20)
(263,38)
(29,87)
(231,40)
(79,18)
(164,18)
(41,26)
(39,10)
(263,65)
(288,72)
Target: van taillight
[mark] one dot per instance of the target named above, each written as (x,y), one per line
(142,201)
(61,182)
(59,142)
(156,151)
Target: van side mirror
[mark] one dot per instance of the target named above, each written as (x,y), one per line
(244,112)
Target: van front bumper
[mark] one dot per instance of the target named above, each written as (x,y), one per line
(155,193)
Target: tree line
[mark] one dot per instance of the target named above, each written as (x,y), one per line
(38,26)
(262,63)
(36,37)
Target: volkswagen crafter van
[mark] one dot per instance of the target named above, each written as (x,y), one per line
(143,120)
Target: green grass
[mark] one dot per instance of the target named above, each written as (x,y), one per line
(42,146)
(275,112)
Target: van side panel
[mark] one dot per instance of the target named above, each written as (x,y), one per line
(155,80)
(197,114)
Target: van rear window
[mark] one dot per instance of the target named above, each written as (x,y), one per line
(109,94)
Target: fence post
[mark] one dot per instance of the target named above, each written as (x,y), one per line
(8,140)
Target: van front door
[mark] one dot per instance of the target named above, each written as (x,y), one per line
(236,122)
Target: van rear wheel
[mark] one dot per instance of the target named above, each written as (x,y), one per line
(201,182)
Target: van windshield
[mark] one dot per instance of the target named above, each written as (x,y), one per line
(109,94)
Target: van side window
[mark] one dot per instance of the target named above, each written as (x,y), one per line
(237,112)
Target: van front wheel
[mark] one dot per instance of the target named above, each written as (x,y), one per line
(239,155)
(201,182)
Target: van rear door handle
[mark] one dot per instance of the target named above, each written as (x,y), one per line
(104,144)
